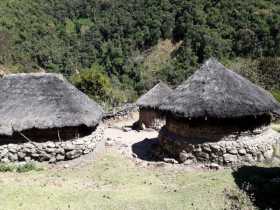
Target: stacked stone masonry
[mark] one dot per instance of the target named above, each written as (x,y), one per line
(247,149)
(52,151)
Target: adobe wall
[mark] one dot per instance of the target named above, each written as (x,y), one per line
(215,144)
(151,118)
(53,151)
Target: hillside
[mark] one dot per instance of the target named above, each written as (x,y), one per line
(106,40)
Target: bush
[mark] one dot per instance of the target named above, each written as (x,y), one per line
(94,82)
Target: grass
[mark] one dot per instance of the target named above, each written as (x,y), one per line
(19,168)
(115,183)
(276,127)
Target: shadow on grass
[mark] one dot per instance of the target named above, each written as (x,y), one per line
(261,184)
(146,149)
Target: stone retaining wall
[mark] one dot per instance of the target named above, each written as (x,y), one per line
(245,150)
(52,151)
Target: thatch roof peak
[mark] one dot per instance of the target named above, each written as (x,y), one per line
(153,98)
(43,101)
(216,92)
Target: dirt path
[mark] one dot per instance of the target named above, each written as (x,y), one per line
(137,146)
(121,137)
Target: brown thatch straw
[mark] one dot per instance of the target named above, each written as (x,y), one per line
(153,98)
(43,101)
(216,92)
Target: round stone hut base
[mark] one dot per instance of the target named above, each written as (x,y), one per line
(52,151)
(246,150)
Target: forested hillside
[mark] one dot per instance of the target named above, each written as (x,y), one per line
(107,41)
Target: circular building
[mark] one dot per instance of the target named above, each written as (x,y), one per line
(45,118)
(220,117)
(149,114)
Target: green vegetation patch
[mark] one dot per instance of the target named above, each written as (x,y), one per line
(19,168)
(114,182)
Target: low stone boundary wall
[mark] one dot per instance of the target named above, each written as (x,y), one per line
(52,151)
(245,150)
(121,112)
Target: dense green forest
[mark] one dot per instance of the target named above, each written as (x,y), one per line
(101,45)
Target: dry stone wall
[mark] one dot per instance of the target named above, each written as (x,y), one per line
(52,151)
(245,150)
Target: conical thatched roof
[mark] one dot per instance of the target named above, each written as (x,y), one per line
(216,92)
(153,98)
(43,101)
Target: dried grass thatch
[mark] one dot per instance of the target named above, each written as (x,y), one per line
(216,92)
(43,101)
(153,98)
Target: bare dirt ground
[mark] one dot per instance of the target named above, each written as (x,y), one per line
(137,145)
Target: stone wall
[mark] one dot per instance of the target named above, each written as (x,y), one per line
(201,131)
(151,118)
(52,151)
(245,150)
(121,112)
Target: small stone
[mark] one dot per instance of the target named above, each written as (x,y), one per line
(60,157)
(4,152)
(27,159)
(69,147)
(229,158)
(214,166)
(52,160)
(184,156)
(50,149)
(232,151)
(242,152)
(35,155)
(170,160)
(50,145)
(44,156)
(5,160)
(28,145)
(215,147)
(21,156)
(202,155)
(134,155)
(206,148)
(12,157)
(66,166)
(73,154)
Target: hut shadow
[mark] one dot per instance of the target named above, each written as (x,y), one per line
(261,184)
(146,149)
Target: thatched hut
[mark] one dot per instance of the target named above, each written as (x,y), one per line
(149,114)
(218,116)
(43,107)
